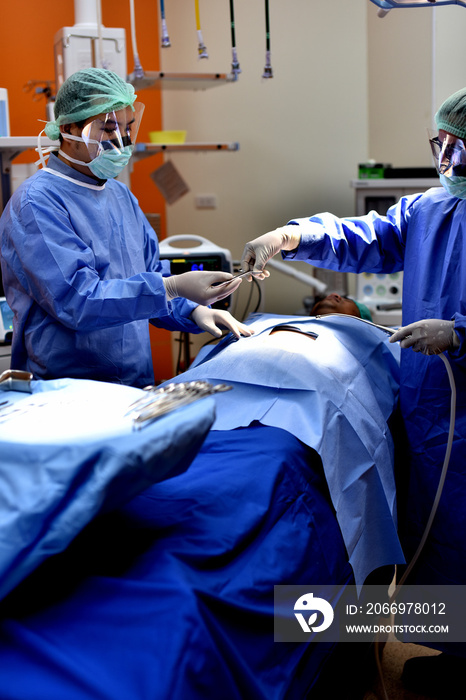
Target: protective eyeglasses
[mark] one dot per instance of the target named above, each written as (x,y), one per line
(449,154)
(113,131)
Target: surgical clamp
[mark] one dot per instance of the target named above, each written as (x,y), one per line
(168,398)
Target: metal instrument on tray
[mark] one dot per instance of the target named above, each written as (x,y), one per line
(162,400)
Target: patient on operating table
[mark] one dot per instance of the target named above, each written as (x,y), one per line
(333,383)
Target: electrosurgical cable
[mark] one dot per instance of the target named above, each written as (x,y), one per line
(268,72)
(387,329)
(441,480)
(441,483)
(201,49)
(254,285)
(446,460)
(165,38)
(433,510)
(246,313)
(235,68)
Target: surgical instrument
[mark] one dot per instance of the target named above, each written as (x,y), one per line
(166,399)
(241,273)
(387,329)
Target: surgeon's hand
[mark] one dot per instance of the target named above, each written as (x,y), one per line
(258,252)
(199,286)
(430,336)
(213,320)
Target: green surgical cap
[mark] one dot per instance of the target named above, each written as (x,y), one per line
(87,93)
(364,311)
(451,116)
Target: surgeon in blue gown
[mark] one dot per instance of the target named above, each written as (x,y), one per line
(424,235)
(80,262)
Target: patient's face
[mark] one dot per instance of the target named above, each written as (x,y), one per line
(335,304)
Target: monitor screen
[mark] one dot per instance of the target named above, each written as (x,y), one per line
(6,321)
(190,263)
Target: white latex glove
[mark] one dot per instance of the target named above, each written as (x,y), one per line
(197,286)
(213,320)
(258,252)
(431,336)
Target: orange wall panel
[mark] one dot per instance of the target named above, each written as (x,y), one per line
(26,53)
(27,33)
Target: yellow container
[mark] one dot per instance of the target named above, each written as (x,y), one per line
(167,137)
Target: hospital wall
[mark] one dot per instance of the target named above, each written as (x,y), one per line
(416,59)
(301,133)
(347,86)
(27,36)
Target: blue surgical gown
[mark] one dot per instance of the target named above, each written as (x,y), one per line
(82,274)
(424,235)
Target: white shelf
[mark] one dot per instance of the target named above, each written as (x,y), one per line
(23,141)
(385,183)
(158,80)
(12,146)
(143,150)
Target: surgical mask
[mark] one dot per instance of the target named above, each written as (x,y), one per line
(455,185)
(109,139)
(108,164)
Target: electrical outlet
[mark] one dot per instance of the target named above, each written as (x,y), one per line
(206,201)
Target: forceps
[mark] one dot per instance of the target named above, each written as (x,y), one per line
(153,394)
(241,273)
(165,399)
